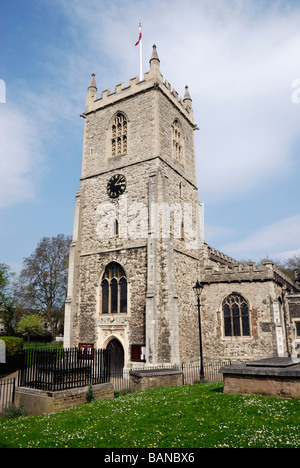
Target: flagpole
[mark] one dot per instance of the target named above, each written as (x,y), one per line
(141,54)
(141,51)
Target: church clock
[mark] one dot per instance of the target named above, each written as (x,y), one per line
(116,185)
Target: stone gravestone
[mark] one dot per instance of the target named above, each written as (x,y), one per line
(2,352)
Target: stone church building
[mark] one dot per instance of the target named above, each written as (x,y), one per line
(138,244)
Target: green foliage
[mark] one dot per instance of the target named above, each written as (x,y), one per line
(119,393)
(13,345)
(12,412)
(43,345)
(30,323)
(42,283)
(7,303)
(5,277)
(190,416)
(89,394)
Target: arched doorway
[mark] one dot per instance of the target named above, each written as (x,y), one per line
(116,356)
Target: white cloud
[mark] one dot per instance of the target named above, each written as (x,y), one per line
(238,58)
(279,240)
(282,256)
(21,159)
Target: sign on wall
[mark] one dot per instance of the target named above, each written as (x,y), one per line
(86,351)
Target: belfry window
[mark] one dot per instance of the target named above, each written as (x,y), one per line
(114,290)
(177,141)
(236,316)
(119,135)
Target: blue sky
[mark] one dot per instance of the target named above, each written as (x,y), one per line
(240,59)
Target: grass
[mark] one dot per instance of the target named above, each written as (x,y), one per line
(190,416)
(42,345)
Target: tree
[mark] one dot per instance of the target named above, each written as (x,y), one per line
(5,277)
(31,323)
(7,305)
(42,284)
(290,266)
(293,264)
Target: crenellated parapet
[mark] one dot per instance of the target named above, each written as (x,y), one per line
(152,79)
(220,257)
(249,272)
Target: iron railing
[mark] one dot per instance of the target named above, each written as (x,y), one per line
(7,392)
(60,369)
(57,370)
(190,373)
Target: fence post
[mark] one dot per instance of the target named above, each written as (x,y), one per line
(13,391)
(60,369)
(7,392)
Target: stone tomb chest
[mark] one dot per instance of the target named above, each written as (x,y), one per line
(277,376)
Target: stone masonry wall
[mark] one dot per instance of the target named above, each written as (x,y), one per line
(36,402)
(150,108)
(262,340)
(128,328)
(187,304)
(147,379)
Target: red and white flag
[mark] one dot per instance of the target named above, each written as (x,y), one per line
(140,35)
(141,54)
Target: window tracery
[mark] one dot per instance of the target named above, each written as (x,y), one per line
(236,315)
(119,135)
(114,290)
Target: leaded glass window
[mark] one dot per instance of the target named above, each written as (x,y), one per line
(114,290)
(236,315)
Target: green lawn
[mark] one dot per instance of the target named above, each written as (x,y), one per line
(42,345)
(177,417)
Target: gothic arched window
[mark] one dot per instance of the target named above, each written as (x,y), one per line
(177,140)
(236,315)
(116,228)
(119,135)
(114,290)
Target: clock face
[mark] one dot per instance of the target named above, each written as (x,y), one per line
(116,185)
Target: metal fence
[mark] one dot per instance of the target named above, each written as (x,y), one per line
(7,392)
(190,374)
(47,370)
(60,369)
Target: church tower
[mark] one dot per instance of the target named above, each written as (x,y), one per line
(138,227)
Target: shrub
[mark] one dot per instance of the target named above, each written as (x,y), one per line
(13,412)
(119,393)
(13,345)
(89,394)
(31,323)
